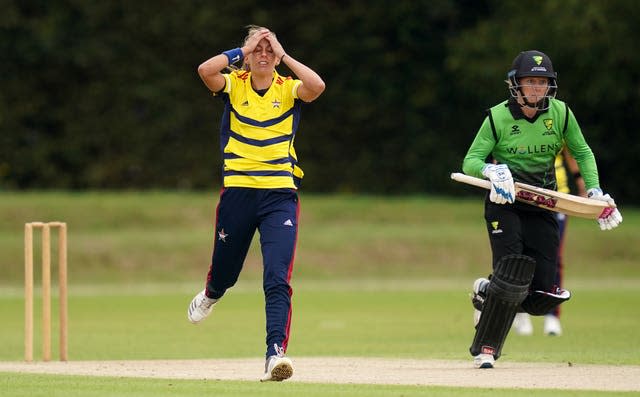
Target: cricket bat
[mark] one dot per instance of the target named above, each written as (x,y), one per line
(545,198)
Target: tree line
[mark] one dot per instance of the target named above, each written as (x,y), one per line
(105,95)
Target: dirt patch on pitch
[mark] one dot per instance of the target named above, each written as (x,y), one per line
(361,371)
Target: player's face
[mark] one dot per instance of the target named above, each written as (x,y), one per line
(263,57)
(534,89)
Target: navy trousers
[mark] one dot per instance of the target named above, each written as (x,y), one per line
(274,213)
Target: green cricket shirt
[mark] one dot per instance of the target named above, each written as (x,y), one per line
(529,146)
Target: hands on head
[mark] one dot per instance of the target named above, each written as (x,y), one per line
(253,41)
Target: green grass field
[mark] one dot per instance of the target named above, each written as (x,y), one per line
(374,277)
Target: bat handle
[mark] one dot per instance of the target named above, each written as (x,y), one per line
(606,212)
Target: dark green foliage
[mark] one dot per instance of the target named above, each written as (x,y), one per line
(106,95)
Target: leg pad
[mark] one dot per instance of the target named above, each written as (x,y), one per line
(508,288)
(539,303)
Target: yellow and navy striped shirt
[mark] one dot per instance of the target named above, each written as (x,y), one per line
(562,179)
(257,133)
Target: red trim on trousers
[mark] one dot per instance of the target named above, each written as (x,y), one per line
(285,342)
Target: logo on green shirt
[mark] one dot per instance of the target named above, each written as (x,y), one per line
(548,123)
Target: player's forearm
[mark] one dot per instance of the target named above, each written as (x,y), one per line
(570,162)
(582,153)
(572,167)
(473,166)
(210,72)
(586,162)
(480,148)
(313,83)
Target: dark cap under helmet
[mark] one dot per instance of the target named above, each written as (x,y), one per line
(532,63)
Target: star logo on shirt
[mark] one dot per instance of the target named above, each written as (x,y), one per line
(276,103)
(222,236)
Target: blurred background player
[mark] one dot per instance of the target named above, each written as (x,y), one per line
(565,164)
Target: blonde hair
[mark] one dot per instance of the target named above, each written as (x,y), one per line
(251,31)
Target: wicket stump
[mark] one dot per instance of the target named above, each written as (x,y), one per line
(46,288)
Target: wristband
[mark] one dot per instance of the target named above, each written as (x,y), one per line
(282,57)
(234,55)
(577,174)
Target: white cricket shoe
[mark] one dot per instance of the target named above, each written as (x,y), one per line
(522,324)
(483,361)
(277,368)
(552,325)
(200,307)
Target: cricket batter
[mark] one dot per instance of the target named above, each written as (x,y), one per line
(523,135)
(260,179)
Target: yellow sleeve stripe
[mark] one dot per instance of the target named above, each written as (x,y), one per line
(294,89)
(227,83)
(561,175)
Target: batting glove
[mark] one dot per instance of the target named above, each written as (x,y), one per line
(610,217)
(502,188)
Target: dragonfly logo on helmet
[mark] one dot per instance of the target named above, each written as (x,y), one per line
(532,64)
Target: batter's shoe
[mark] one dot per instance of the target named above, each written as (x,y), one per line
(483,361)
(277,368)
(522,324)
(552,325)
(200,307)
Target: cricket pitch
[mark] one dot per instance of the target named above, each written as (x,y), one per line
(358,370)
